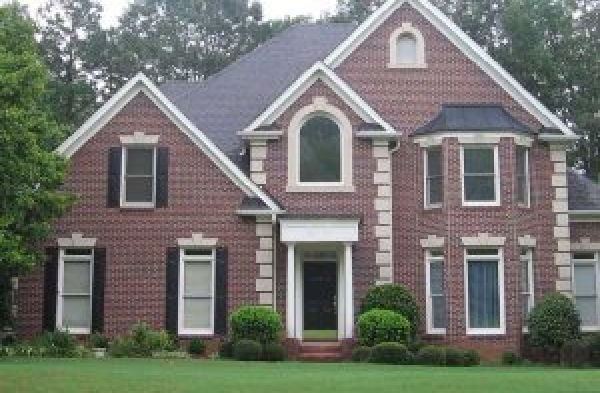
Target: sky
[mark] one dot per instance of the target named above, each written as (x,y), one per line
(272,8)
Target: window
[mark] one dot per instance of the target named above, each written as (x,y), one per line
(434,178)
(485,292)
(522,167)
(74,306)
(436,297)
(406,49)
(139,177)
(196,291)
(585,286)
(481,181)
(320,151)
(527,288)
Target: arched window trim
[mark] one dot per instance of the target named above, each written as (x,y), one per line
(320,107)
(407,29)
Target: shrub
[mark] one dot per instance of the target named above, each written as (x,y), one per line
(361,354)
(553,322)
(9,340)
(431,355)
(510,358)
(274,352)
(593,343)
(575,353)
(142,341)
(454,357)
(247,350)
(256,323)
(390,353)
(393,297)
(98,341)
(197,347)
(471,358)
(57,344)
(226,350)
(378,326)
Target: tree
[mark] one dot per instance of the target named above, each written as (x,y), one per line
(355,10)
(31,175)
(69,32)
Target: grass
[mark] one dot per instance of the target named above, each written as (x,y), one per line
(174,376)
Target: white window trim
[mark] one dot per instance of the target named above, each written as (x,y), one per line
(596,262)
(485,331)
(408,29)
(497,199)
(137,205)
(320,107)
(183,258)
(528,258)
(527,203)
(59,296)
(429,259)
(428,205)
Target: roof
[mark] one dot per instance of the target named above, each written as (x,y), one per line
(473,118)
(584,194)
(232,99)
(462,41)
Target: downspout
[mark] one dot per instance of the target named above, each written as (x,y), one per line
(274,222)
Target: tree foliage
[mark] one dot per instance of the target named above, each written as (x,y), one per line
(31,173)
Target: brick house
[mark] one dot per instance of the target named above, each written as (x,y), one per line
(333,158)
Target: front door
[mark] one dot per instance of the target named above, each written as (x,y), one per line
(320,301)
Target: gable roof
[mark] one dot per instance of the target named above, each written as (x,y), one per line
(463,42)
(141,83)
(232,99)
(473,118)
(320,71)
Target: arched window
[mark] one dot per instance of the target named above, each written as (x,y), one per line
(320,151)
(406,49)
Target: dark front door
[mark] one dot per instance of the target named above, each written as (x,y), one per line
(320,292)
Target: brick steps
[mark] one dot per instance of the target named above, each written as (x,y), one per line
(320,352)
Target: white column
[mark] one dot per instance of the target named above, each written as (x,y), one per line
(349,293)
(291,291)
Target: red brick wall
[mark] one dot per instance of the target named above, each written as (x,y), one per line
(201,200)
(580,230)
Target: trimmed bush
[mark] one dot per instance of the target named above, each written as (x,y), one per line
(390,353)
(593,343)
(471,358)
(454,357)
(98,341)
(510,358)
(575,353)
(378,326)
(142,341)
(256,323)
(431,355)
(226,350)
(274,352)
(361,354)
(553,322)
(57,344)
(197,347)
(247,350)
(393,297)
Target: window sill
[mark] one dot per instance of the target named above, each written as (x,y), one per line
(195,333)
(434,206)
(486,332)
(76,332)
(590,329)
(320,188)
(137,206)
(436,332)
(416,66)
(481,204)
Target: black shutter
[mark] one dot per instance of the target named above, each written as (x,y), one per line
(172,288)
(162,177)
(221,292)
(98,290)
(114,177)
(50,289)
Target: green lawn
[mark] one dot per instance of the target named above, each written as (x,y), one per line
(24,375)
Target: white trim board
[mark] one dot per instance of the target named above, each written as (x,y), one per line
(463,42)
(140,83)
(319,71)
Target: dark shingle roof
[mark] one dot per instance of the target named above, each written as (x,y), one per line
(473,118)
(584,194)
(230,100)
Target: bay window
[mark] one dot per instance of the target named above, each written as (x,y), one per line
(480,176)
(484,273)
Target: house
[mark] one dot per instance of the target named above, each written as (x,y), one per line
(333,158)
